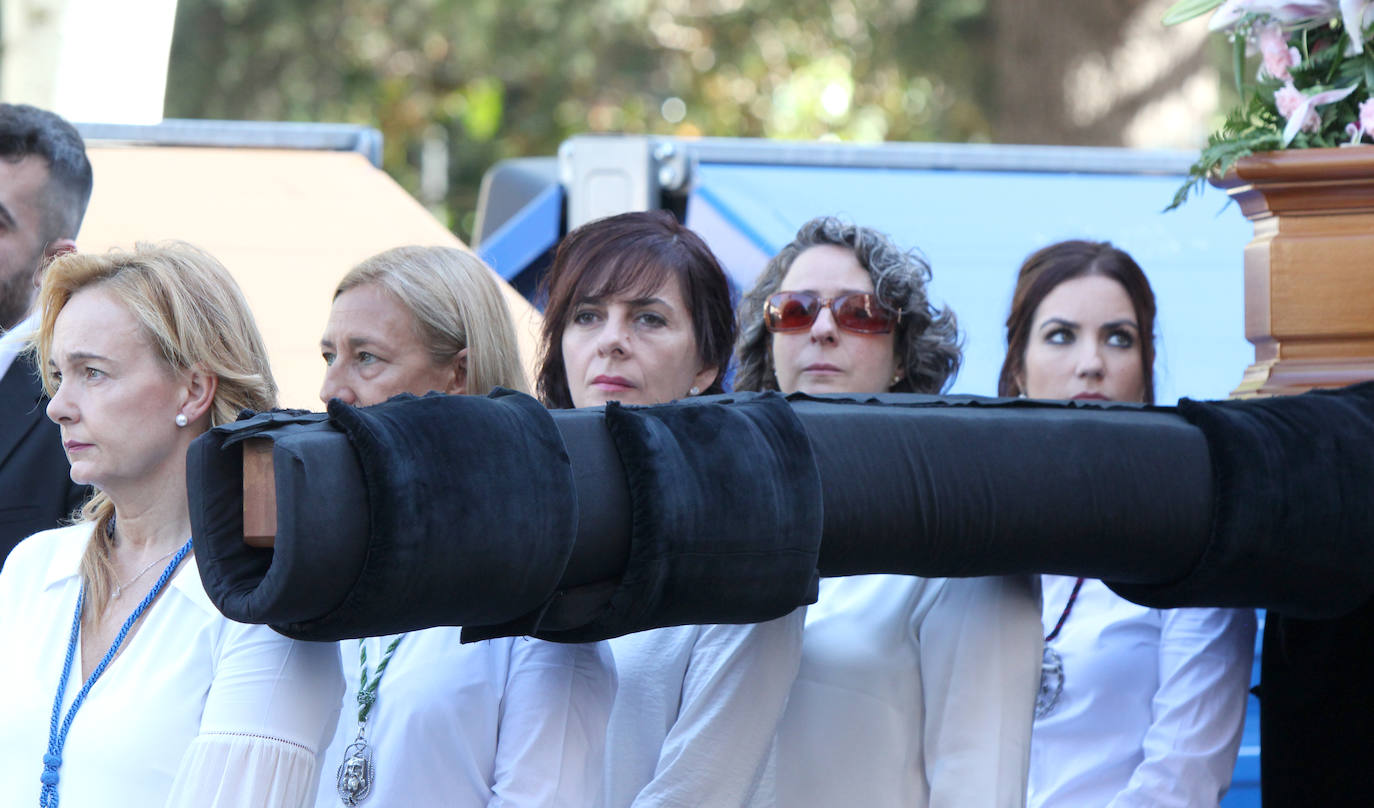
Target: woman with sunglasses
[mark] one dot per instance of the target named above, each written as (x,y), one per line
(1138,706)
(510,721)
(639,312)
(911,691)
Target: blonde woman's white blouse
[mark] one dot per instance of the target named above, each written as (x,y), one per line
(196,710)
(511,722)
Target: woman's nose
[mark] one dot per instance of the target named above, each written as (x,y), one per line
(612,338)
(823,329)
(60,408)
(335,388)
(1090,361)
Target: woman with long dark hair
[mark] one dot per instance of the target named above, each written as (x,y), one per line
(1137,706)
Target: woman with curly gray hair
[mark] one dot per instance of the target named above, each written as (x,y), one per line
(911,691)
(883,304)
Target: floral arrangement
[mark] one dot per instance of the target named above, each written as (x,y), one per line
(1314,86)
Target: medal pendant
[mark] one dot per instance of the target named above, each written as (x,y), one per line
(1051,682)
(354,776)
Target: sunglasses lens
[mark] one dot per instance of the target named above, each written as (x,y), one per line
(790,311)
(863,314)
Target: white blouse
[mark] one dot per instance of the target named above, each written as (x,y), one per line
(506,722)
(697,709)
(1152,705)
(913,692)
(196,710)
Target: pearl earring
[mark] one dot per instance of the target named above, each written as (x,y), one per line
(181,419)
(695,391)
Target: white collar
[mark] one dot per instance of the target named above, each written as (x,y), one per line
(12,342)
(71,542)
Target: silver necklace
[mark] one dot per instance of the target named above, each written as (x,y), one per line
(355,776)
(119,587)
(1052,664)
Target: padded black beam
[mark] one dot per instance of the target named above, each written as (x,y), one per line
(583,524)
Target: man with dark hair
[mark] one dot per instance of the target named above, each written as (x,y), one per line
(45,184)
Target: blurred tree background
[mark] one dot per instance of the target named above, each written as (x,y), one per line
(455,85)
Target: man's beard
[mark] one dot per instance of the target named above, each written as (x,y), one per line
(16,295)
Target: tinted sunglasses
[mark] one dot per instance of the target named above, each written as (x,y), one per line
(859,312)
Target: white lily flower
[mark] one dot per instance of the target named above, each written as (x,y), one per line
(1354,14)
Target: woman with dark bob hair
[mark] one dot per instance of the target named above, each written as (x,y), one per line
(632,256)
(926,343)
(911,691)
(639,312)
(1137,706)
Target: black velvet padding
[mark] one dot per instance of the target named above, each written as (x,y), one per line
(965,486)
(472,515)
(1293,513)
(726,516)
(441,510)
(321,519)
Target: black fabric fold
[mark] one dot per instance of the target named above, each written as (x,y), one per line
(472,514)
(1292,523)
(417,512)
(323,536)
(726,516)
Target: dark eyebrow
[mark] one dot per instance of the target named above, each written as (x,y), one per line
(635,302)
(1122,324)
(1061,322)
(6,216)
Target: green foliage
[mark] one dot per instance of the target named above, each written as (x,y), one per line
(1251,127)
(1256,125)
(499,78)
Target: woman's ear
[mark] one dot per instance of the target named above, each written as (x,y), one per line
(705,378)
(199,393)
(458,381)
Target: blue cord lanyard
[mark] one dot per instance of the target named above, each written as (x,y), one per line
(47,798)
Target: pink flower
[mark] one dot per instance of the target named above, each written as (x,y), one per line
(1300,108)
(1288,98)
(1278,57)
(1367,116)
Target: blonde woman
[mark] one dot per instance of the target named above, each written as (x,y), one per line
(415,319)
(125,686)
(509,721)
